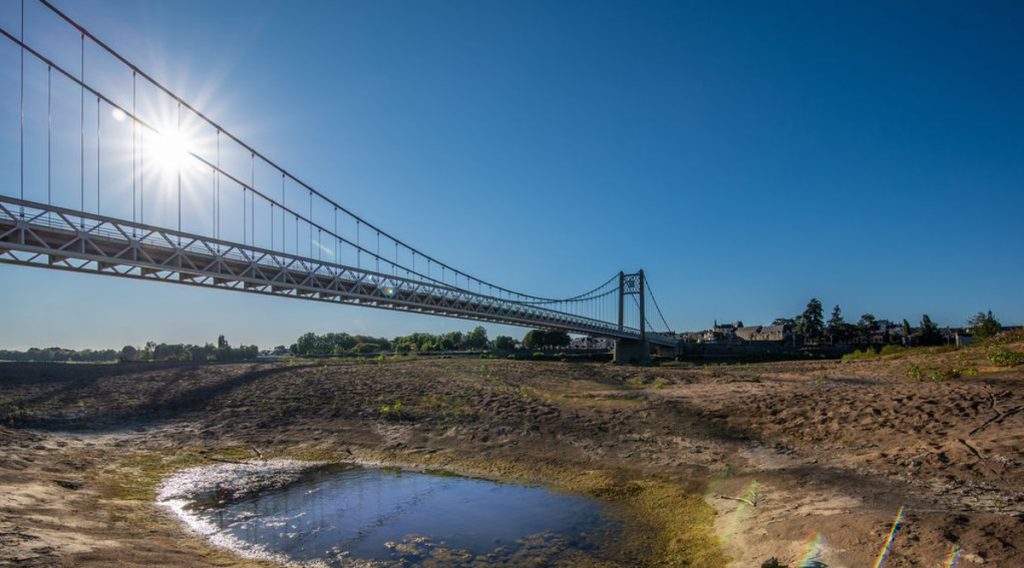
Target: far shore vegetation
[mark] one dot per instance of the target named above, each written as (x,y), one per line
(867,338)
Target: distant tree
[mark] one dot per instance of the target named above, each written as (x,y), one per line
(836,329)
(129,353)
(929,333)
(168,352)
(984,325)
(401,347)
(504,342)
(545,338)
(811,324)
(906,332)
(868,322)
(786,322)
(866,327)
(222,343)
(836,319)
(452,340)
(197,354)
(557,338)
(337,351)
(477,339)
(534,339)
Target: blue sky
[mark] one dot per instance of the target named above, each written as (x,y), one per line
(747,155)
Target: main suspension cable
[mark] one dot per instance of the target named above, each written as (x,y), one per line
(647,283)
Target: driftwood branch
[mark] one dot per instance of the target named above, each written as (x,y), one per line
(997,419)
(740,499)
(978,455)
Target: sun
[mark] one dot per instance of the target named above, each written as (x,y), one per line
(171,150)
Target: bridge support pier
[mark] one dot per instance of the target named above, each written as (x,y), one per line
(631,352)
(669,352)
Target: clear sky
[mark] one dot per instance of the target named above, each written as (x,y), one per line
(748,155)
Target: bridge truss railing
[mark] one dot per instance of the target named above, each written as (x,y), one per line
(67,239)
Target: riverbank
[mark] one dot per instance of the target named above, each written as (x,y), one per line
(712,466)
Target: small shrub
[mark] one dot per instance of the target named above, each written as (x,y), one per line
(867,354)
(939,375)
(511,357)
(538,355)
(914,372)
(892,350)
(636,381)
(1003,357)
(392,411)
(962,368)
(773,563)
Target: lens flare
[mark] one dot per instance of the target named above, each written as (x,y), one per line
(888,541)
(118,114)
(954,557)
(170,149)
(811,557)
(732,523)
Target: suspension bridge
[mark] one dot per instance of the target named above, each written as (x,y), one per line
(119,176)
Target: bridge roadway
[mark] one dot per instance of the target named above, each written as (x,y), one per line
(38,234)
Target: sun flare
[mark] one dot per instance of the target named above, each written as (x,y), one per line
(171,150)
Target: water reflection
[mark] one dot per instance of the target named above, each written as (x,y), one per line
(337,515)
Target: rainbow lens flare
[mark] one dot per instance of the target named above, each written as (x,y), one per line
(811,558)
(954,557)
(888,541)
(732,523)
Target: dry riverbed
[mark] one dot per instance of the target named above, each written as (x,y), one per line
(712,466)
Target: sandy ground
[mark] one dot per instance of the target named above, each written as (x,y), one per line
(778,458)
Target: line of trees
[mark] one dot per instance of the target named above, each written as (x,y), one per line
(187,352)
(338,344)
(309,344)
(341,344)
(59,355)
(812,327)
(179,352)
(545,339)
(451,341)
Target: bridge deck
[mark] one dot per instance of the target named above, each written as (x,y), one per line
(53,237)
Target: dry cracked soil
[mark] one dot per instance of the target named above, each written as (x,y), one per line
(710,466)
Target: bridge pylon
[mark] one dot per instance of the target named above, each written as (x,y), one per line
(632,351)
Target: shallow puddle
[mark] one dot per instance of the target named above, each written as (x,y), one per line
(343,515)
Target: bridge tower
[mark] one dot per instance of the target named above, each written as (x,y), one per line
(632,350)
